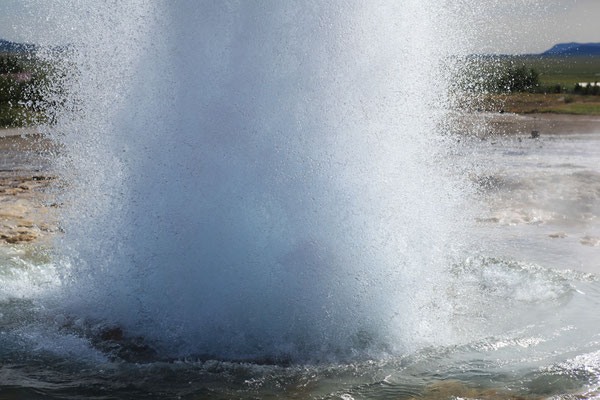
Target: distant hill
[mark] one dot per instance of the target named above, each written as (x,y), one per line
(574,49)
(12,47)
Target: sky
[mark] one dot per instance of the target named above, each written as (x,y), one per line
(501,26)
(533,26)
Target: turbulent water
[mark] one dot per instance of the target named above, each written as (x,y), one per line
(266,200)
(259,181)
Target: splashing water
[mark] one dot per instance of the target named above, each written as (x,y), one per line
(277,183)
(260,180)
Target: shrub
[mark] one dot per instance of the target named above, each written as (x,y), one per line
(10,65)
(519,79)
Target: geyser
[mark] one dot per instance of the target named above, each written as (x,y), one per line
(253,180)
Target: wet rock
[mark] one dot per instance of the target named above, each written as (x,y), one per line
(458,390)
(24,214)
(591,241)
(21,238)
(114,342)
(558,235)
(489,182)
(112,334)
(535,134)
(493,220)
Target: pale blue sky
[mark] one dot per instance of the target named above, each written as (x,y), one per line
(532,26)
(503,26)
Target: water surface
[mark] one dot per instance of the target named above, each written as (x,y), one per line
(523,315)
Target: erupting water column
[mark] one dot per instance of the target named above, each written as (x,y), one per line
(259,179)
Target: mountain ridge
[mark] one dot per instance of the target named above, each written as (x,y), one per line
(574,49)
(6,46)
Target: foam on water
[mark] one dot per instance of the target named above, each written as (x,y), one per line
(26,273)
(255,180)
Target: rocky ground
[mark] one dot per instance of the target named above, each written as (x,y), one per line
(487,124)
(528,103)
(27,213)
(24,216)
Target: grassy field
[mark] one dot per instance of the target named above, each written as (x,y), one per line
(553,71)
(21,76)
(14,116)
(564,71)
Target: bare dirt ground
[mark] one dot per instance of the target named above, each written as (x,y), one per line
(488,124)
(528,103)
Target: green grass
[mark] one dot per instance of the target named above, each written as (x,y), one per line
(14,93)
(553,71)
(564,71)
(578,109)
(17,116)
